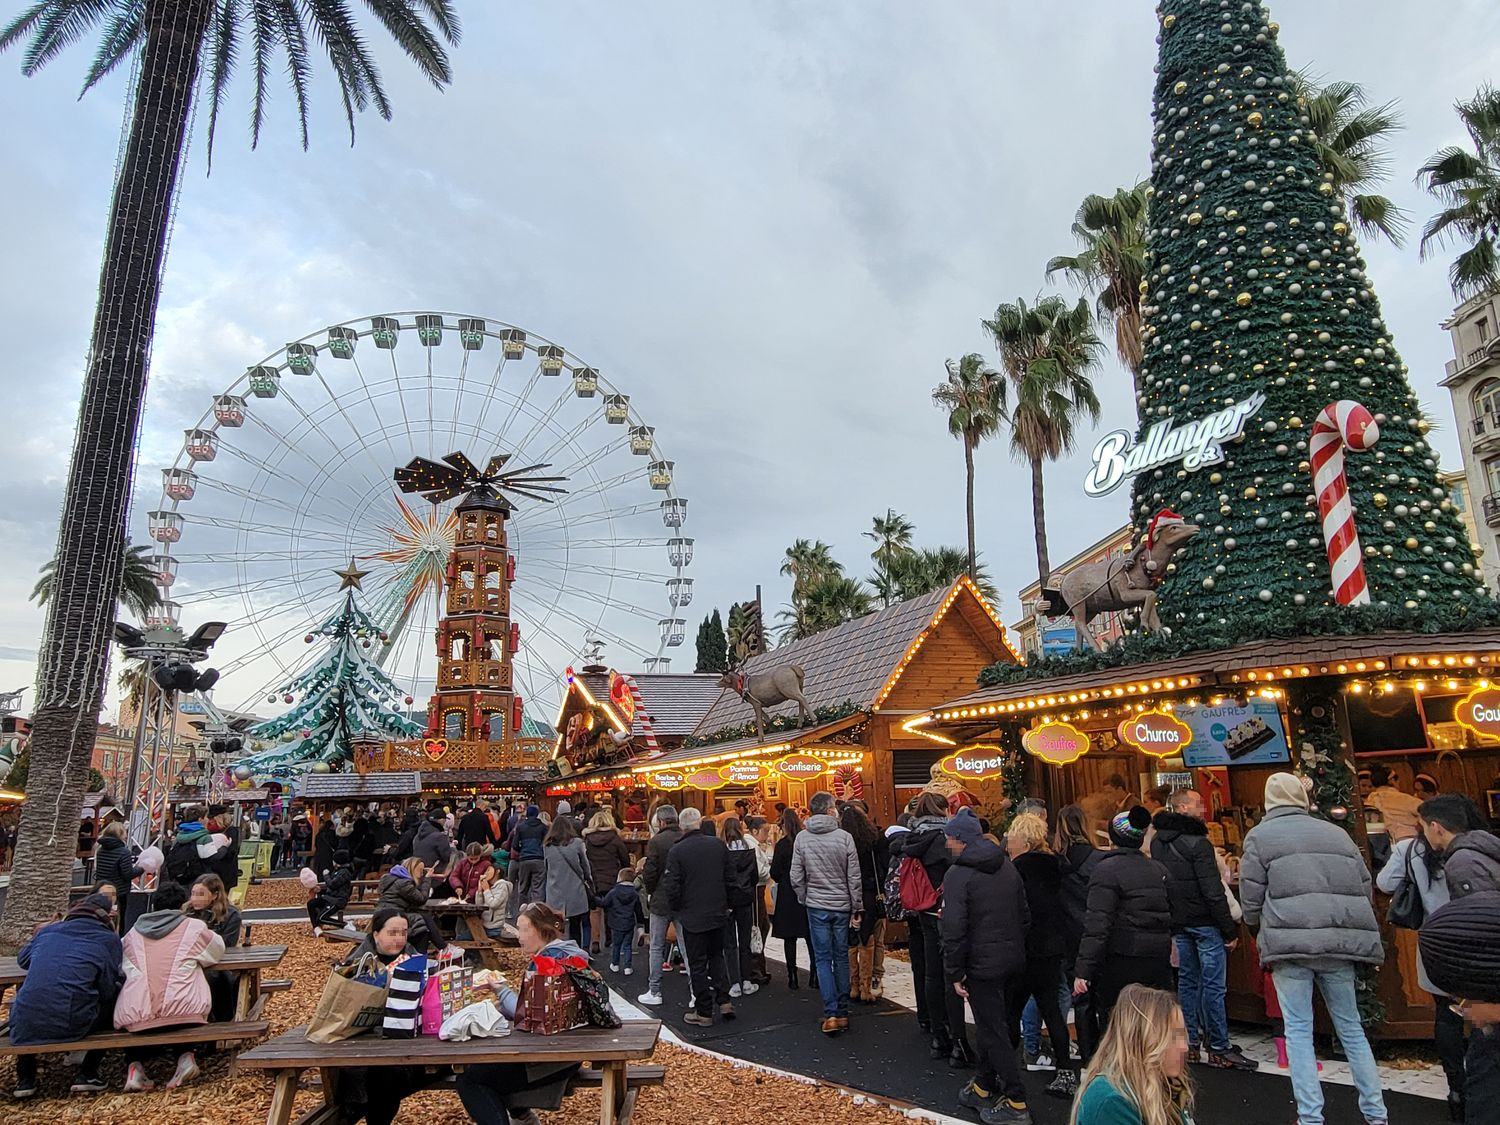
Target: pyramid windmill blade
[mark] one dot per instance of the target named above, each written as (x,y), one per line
(461,462)
(524,469)
(496,463)
(422,475)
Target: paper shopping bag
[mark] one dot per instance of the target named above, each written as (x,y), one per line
(548,1001)
(349,1006)
(403,1002)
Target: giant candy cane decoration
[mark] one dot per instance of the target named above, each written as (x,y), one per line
(648,731)
(1342,424)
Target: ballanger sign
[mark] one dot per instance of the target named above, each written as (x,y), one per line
(1119,456)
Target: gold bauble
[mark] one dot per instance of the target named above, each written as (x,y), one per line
(1325,189)
(1180,88)
(1255,119)
(1168,21)
(1194,219)
(1243,299)
(1231,214)
(1381,499)
(1423,425)
(1411,543)
(1273,27)
(1340,228)
(1303,466)
(1145,287)
(1250,493)
(1294,422)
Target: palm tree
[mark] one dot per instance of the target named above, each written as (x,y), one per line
(807,563)
(1467,184)
(972,396)
(1350,138)
(1047,349)
(1111,263)
(168,43)
(830,600)
(138,590)
(934,568)
(892,534)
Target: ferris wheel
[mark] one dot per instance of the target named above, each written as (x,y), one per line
(288,474)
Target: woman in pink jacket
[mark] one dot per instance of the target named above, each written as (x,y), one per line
(165,954)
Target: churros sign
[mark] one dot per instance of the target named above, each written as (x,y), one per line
(1480,711)
(1158,733)
(974,763)
(1057,744)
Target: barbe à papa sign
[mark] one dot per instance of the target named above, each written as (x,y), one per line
(1118,456)
(1158,733)
(974,763)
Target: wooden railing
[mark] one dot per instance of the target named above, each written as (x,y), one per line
(492,674)
(521,753)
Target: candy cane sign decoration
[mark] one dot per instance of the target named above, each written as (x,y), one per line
(648,731)
(1343,424)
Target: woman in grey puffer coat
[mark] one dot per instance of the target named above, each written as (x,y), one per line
(569,878)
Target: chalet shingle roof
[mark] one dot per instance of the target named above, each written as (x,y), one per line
(849,661)
(396,783)
(777,743)
(676,701)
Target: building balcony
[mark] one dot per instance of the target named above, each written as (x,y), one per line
(437,754)
(493,674)
(1490,506)
(1486,353)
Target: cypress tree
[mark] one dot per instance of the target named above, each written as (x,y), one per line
(713,647)
(1255,285)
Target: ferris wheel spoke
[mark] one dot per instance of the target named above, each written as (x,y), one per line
(568,438)
(285,442)
(203,558)
(586,544)
(401,398)
(258,497)
(540,419)
(489,398)
(458,397)
(375,410)
(257,463)
(328,442)
(584,623)
(606,516)
(275,530)
(200,597)
(590,460)
(619,572)
(354,430)
(517,403)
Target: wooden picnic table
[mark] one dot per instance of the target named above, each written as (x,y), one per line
(290,1053)
(245,961)
(468,919)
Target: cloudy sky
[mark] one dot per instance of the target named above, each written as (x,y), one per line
(769,223)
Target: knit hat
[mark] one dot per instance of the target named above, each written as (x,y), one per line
(563,808)
(95,906)
(964,826)
(532,810)
(1285,791)
(1128,829)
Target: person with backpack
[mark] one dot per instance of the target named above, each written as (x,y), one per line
(890,907)
(192,849)
(744,874)
(924,862)
(1203,929)
(1413,877)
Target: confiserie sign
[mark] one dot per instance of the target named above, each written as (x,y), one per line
(800,767)
(744,773)
(1480,711)
(974,763)
(1158,733)
(1056,744)
(666,779)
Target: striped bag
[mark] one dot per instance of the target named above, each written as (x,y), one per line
(403,1000)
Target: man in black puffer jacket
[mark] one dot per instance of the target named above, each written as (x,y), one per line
(1202,927)
(984,922)
(695,888)
(1127,932)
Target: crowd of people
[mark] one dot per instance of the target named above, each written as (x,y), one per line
(1016,930)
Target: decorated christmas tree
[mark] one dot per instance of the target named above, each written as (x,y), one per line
(343,695)
(1259,316)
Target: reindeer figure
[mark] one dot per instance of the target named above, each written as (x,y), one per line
(1122,582)
(767,689)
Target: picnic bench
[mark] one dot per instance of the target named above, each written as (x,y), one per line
(288,1055)
(123,1040)
(467,919)
(245,961)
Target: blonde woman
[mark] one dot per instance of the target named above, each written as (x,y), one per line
(1139,1073)
(1046,945)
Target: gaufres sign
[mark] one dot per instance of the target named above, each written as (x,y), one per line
(1480,711)
(1118,456)
(1056,744)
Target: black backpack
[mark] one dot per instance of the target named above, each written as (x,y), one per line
(183,864)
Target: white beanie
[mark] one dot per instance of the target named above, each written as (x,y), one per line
(1285,791)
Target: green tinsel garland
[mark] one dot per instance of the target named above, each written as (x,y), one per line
(1275,623)
(775,724)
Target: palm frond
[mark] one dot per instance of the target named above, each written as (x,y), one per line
(406,26)
(263,38)
(223,53)
(59,26)
(1376,214)
(123,33)
(1476,270)
(23,24)
(294,41)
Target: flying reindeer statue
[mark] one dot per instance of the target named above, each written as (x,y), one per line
(1121,582)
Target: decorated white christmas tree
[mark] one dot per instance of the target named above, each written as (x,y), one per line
(343,695)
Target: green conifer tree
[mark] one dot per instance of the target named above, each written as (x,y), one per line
(713,647)
(1255,284)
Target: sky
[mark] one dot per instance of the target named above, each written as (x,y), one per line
(769,223)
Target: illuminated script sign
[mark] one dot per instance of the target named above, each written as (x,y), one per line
(1156,733)
(666,779)
(1480,711)
(1118,456)
(744,773)
(800,767)
(1056,744)
(974,763)
(704,779)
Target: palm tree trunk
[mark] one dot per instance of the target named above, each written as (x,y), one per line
(1039,522)
(91,544)
(969,499)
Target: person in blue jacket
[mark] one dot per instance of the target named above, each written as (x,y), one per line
(73,973)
